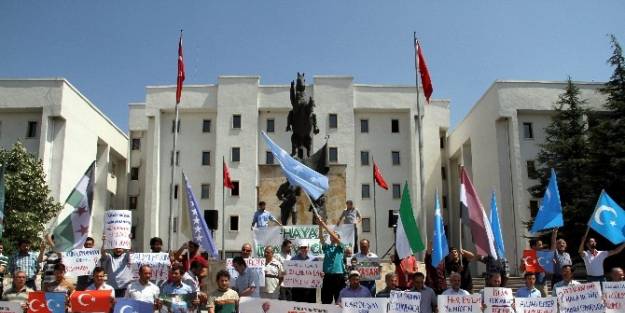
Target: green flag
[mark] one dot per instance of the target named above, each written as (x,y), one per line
(408,240)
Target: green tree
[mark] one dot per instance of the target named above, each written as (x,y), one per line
(28,205)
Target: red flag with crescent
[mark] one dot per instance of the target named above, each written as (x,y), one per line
(37,302)
(227,180)
(377,175)
(530,262)
(181,76)
(91,300)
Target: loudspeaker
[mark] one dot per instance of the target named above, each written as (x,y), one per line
(393,215)
(211,217)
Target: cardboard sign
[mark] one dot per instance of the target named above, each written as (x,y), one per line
(298,234)
(117,227)
(257,265)
(303,274)
(530,259)
(251,305)
(536,305)
(368,269)
(498,300)
(364,305)
(404,301)
(614,295)
(585,298)
(464,304)
(79,262)
(159,262)
(10,307)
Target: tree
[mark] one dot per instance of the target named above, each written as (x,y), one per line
(28,205)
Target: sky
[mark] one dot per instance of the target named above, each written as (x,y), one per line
(110,50)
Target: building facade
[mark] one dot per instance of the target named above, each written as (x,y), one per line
(60,126)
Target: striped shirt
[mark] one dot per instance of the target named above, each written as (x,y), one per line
(27,263)
(4,262)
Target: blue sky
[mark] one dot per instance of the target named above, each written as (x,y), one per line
(110,50)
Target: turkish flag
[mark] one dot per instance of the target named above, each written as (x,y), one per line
(377,175)
(37,302)
(426,81)
(91,300)
(227,180)
(530,262)
(181,75)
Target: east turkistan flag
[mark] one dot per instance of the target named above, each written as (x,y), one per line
(72,225)
(408,240)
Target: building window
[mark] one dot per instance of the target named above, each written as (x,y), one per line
(206,191)
(132,203)
(366,224)
(268,157)
(364,126)
(396,191)
(236,154)
(444,172)
(175,222)
(271,124)
(442,142)
(136,144)
(333,154)
(234,223)
(173,125)
(531,169)
(235,190)
(171,158)
(206,126)
(364,191)
(528,131)
(31,132)
(206,158)
(176,191)
(333,120)
(394,126)
(364,158)
(134,173)
(395,157)
(236,121)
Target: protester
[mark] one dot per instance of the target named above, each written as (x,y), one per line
(593,258)
(616,274)
(333,264)
(308,295)
(178,291)
(560,257)
(405,268)
(143,289)
(435,277)
(26,261)
(244,284)
(4,263)
(365,255)
(60,284)
(392,282)
(455,280)
(458,261)
(117,268)
(529,290)
(541,278)
(50,259)
(193,277)
(192,254)
(83,281)
(567,279)
(284,255)
(261,217)
(273,276)
(99,283)
(498,265)
(354,289)
(351,215)
(246,250)
(492,279)
(224,299)
(429,302)
(156,245)
(18,292)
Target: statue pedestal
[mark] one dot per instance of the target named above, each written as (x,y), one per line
(271,177)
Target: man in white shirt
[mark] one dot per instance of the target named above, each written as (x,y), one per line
(193,277)
(99,281)
(143,289)
(567,279)
(365,255)
(593,258)
(454,280)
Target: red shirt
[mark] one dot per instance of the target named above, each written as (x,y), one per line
(407,267)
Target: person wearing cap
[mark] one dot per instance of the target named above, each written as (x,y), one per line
(354,289)
(308,295)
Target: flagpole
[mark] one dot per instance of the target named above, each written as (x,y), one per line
(223,211)
(420,130)
(460,215)
(375,211)
(173,156)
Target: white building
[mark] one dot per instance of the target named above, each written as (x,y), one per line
(67,132)
(498,142)
(224,121)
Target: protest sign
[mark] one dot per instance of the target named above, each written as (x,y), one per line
(303,274)
(79,262)
(585,298)
(464,304)
(369,269)
(298,235)
(498,300)
(255,264)
(10,307)
(404,301)
(364,305)
(159,262)
(117,226)
(251,305)
(614,295)
(536,305)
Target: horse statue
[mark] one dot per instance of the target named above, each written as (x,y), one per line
(301,119)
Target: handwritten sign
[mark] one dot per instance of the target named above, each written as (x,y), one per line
(159,262)
(464,304)
(298,235)
(364,305)
(117,226)
(369,270)
(257,265)
(614,295)
(10,307)
(79,262)
(498,300)
(303,274)
(403,301)
(536,305)
(585,298)
(251,305)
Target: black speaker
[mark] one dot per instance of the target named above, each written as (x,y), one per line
(393,215)
(211,217)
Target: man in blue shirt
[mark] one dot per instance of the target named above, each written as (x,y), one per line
(529,291)
(26,261)
(261,217)
(308,295)
(333,264)
(354,290)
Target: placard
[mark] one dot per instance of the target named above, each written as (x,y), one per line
(536,305)
(117,227)
(257,265)
(614,295)
(498,300)
(80,262)
(404,301)
(464,304)
(251,305)
(364,305)
(369,270)
(159,262)
(303,274)
(298,234)
(585,298)
(10,307)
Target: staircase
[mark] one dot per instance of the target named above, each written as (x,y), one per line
(513,282)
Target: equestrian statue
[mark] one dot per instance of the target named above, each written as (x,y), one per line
(301,119)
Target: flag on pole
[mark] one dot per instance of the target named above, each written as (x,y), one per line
(193,222)
(297,173)
(440,247)
(426,81)
(408,239)
(227,180)
(608,219)
(550,212)
(377,176)
(181,75)
(73,228)
(480,227)
(496,227)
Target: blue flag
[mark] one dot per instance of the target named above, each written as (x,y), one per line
(123,305)
(550,212)
(298,174)
(545,259)
(608,219)
(193,221)
(55,301)
(440,247)
(496,227)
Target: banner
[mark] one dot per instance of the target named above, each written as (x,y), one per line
(403,301)
(364,305)
(614,295)
(80,262)
(303,274)
(369,270)
(536,305)
(159,262)
(10,307)
(580,298)
(298,234)
(464,304)
(117,226)
(498,300)
(251,305)
(255,264)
